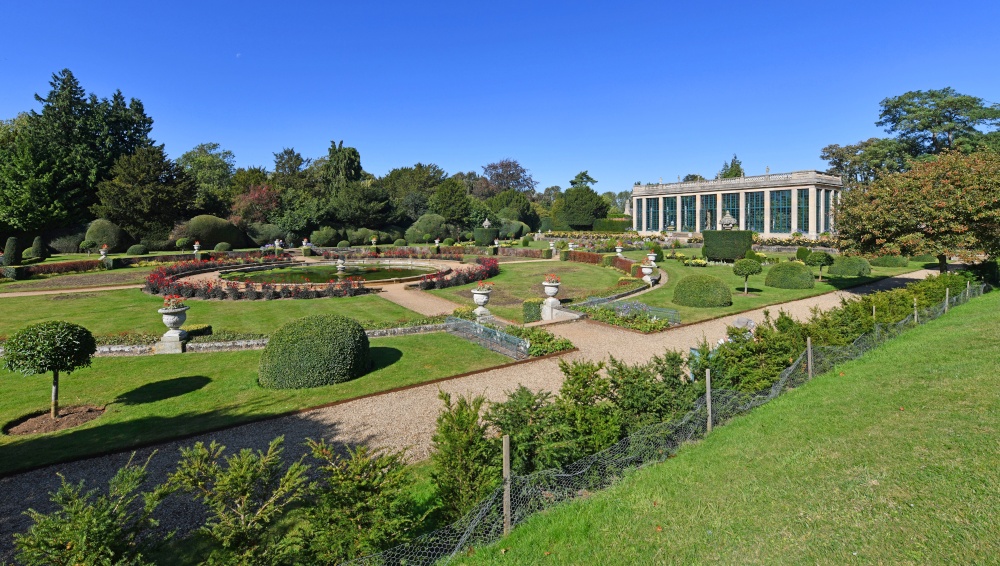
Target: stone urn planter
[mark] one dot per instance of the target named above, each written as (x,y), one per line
(571,246)
(481,298)
(651,256)
(618,250)
(647,270)
(174,318)
(551,289)
(340,265)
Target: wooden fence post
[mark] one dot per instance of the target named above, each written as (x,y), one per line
(708,398)
(506,484)
(915,320)
(947,298)
(809,355)
(873,311)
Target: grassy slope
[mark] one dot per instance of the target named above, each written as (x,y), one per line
(520,281)
(131,310)
(149,399)
(884,460)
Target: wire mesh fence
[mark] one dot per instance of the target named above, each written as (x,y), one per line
(628,308)
(490,338)
(541,490)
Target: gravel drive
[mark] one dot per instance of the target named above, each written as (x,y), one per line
(401,420)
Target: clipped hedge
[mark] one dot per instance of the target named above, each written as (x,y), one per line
(400,243)
(315,351)
(323,237)
(137,249)
(702,291)
(343,244)
(790,275)
(610,225)
(727,245)
(211,230)
(849,266)
(891,261)
(802,253)
(532,310)
(223,247)
(103,232)
(925,258)
(11,253)
(38,248)
(485,236)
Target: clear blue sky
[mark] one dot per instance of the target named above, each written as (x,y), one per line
(628,91)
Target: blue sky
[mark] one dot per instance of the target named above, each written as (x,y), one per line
(628,91)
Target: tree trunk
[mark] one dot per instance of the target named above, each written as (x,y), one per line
(745,279)
(943,263)
(55,394)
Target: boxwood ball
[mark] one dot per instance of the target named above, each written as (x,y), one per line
(313,351)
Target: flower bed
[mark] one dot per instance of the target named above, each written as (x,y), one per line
(397,253)
(585,257)
(630,314)
(484,269)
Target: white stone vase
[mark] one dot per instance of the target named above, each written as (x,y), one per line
(618,250)
(651,256)
(174,318)
(647,270)
(481,298)
(551,289)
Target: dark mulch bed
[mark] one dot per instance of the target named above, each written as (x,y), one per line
(69,417)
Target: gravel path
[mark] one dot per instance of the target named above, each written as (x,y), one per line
(401,420)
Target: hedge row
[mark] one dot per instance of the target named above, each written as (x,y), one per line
(532,310)
(609,225)
(348,287)
(485,268)
(583,257)
(727,245)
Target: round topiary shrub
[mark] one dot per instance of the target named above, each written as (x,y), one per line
(790,275)
(849,266)
(323,237)
(38,248)
(223,247)
(702,291)
(399,243)
(210,230)
(137,249)
(802,253)
(104,232)
(343,244)
(448,242)
(313,351)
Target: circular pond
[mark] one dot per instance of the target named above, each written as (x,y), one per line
(323,273)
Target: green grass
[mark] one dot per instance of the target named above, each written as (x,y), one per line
(156,398)
(123,276)
(881,461)
(520,281)
(131,310)
(760,296)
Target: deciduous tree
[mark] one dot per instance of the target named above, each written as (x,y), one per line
(211,168)
(49,346)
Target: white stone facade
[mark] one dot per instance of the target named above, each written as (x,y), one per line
(773,205)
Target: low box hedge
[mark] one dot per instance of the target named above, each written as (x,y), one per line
(532,310)
(891,261)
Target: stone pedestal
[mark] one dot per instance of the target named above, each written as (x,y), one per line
(170,344)
(549,307)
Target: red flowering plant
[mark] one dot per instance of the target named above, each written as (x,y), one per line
(173,302)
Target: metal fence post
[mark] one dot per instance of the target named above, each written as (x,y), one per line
(809,355)
(708,398)
(873,311)
(968,289)
(947,298)
(506,484)
(915,320)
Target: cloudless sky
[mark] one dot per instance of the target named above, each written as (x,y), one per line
(630,91)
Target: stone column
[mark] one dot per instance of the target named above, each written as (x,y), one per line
(743,210)
(813,204)
(680,213)
(697,213)
(767,211)
(663,212)
(635,216)
(718,211)
(795,210)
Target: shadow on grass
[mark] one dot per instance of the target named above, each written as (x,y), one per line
(384,356)
(160,390)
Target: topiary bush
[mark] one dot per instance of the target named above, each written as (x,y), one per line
(790,275)
(702,291)
(314,351)
(849,266)
(526,242)
(819,259)
(38,248)
(802,253)
(890,261)
(485,236)
(323,237)
(88,246)
(11,253)
(184,243)
(399,243)
(448,242)
(343,244)
(104,232)
(727,245)
(426,228)
(211,230)
(137,249)
(223,247)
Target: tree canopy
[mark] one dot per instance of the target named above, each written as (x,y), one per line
(934,120)
(211,168)
(731,170)
(51,346)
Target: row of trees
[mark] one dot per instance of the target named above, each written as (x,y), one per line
(933,188)
(81,158)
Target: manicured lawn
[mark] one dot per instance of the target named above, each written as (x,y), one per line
(155,398)
(520,281)
(760,296)
(130,310)
(123,276)
(882,461)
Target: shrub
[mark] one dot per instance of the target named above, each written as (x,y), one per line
(727,245)
(890,261)
(612,225)
(11,253)
(656,248)
(67,244)
(137,249)
(323,237)
(49,346)
(448,242)
(584,257)
(532,310)
(426,228)
(465,462)
(343,244)
(399,243)
(790,275)
(849,266)
(38,248)
(184,243)
(526,242)
(211,230)
(104,232)
(702,291)
(223,247)
(313,351)
(745,268)
(485,236)
(925,258)
(88,246)
(819,259)
(802,253)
